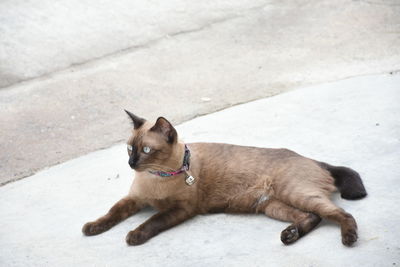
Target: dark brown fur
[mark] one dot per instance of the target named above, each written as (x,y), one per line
(236,179)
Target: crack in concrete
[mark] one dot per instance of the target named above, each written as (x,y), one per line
(145,45)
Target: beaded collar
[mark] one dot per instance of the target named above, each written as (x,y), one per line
(184,168)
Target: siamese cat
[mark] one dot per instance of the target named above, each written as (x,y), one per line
(182,180)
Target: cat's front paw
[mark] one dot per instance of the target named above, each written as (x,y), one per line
(137,237)
(93,228)
(290,235)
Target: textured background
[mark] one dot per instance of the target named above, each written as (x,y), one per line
(68,68)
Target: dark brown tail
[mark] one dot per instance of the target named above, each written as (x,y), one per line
(348,181)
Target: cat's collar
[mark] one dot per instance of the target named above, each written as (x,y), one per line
(184,168)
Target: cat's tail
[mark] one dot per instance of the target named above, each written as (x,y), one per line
(348,181)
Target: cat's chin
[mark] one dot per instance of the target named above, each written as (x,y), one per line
(139,169)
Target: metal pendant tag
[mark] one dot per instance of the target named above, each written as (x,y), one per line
(189,180)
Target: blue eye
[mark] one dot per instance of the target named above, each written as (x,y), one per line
(146,149)
(129,148)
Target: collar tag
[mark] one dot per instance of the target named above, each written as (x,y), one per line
(189,179)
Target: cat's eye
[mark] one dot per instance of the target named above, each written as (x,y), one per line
(129,148)
(146,149)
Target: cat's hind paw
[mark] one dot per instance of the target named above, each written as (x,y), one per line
(290,235)
(349,237)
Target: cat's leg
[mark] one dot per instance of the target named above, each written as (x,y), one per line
(324,207)
(120,211)
(303,222)
(156,224)
(299,228)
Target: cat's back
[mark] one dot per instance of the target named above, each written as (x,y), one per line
(220,161)
(223,161)
(224,153)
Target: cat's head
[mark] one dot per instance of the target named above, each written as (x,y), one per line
(152,146)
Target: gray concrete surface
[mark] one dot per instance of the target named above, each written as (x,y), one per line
(82,62)
(45,36)
(352,122)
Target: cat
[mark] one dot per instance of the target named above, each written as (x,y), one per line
(182,180)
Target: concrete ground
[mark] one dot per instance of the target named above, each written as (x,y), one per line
(354,122)
(68,68)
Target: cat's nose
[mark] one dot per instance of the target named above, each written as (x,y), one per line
(132,162)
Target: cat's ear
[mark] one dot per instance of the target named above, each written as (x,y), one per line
(164,127)
(137,121)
